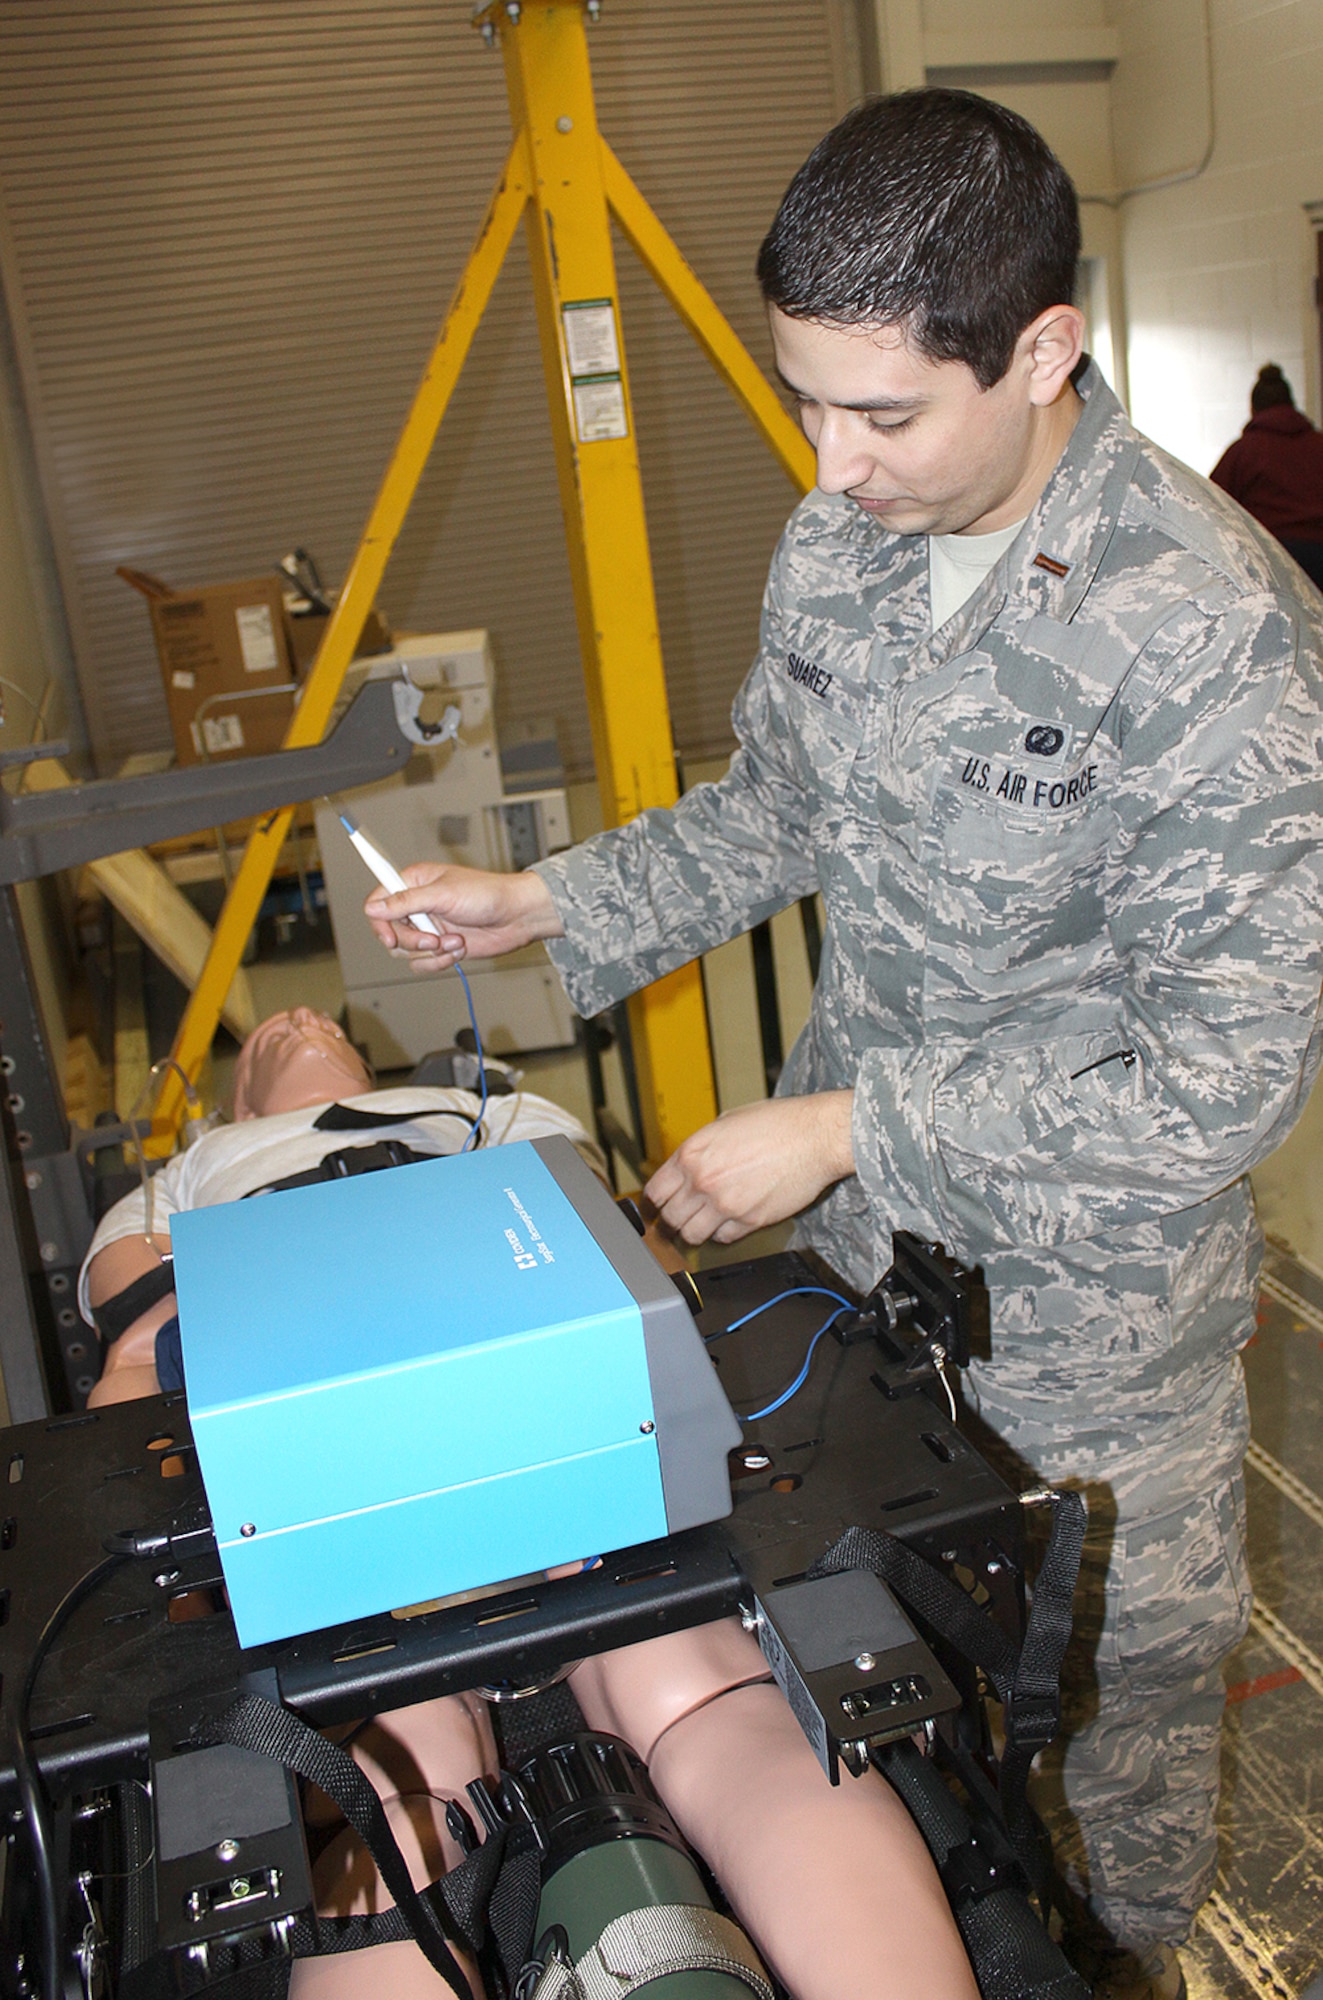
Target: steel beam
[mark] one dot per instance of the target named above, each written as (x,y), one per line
(42,832)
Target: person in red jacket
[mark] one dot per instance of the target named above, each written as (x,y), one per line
(1275,470)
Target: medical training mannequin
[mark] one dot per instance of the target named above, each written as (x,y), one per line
(291,1067)
(835,1886)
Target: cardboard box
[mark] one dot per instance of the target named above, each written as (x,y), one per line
(307,629)
(226,663)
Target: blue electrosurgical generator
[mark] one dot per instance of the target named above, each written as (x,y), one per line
(411,1383)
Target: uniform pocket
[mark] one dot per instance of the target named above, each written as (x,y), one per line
(1179,1592)
(823,735)
(1017,909)
(1025,834)
(804,717)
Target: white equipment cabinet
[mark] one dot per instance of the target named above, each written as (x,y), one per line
(447,805)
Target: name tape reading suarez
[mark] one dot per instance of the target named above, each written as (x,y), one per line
(808,674)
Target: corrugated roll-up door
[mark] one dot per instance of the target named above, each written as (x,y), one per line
(229,234)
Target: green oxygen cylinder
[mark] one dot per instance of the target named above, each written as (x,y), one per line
(610,1849)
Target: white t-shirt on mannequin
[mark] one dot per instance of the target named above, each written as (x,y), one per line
(234,1160)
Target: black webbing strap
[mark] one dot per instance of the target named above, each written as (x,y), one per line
(1033,1714)
(262,1726)
(460,1901)
(512,1912)
(1028,1684)
(245,1968)
(494,1892)
(346,1118)
(347,1162)
(118,1314)
(927,1590)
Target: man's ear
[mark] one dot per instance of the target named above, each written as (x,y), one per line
(1052,345)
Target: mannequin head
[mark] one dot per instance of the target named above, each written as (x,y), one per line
(293,1060)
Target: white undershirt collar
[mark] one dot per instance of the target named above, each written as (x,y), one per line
(957,565)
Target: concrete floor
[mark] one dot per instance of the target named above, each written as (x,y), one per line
(1261,1933)
(1288,1187)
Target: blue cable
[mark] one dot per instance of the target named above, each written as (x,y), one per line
(476,1129)
(802,1377)
(795,1292)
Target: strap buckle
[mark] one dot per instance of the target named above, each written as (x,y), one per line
(973,1870)
(1032,1720)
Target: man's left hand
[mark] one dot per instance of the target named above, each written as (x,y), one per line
(754,1166)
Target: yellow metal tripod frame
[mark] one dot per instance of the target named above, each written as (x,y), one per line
(565,181)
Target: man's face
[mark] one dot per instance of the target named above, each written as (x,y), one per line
(914,442)
(293,1060)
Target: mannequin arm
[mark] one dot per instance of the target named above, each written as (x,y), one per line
(130,1364)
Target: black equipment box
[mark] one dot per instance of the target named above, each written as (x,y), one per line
(867,1441)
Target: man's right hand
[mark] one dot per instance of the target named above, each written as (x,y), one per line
(478,913)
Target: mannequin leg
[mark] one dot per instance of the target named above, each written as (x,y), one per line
(417,1759)
(834,1884)
(399,1970)
(638,1692)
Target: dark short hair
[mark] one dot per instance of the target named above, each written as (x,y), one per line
(934,210)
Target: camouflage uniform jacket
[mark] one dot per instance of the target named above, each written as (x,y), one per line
(1069,848)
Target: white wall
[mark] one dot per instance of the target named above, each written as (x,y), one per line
(1219,271)
(1049,60)
(1202,281)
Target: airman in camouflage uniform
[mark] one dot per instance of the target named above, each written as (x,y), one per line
(1069,848)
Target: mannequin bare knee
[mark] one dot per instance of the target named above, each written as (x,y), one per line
(417,1759)
(640,1691)
(834,1884)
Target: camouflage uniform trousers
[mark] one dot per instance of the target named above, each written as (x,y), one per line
(1129,1789)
